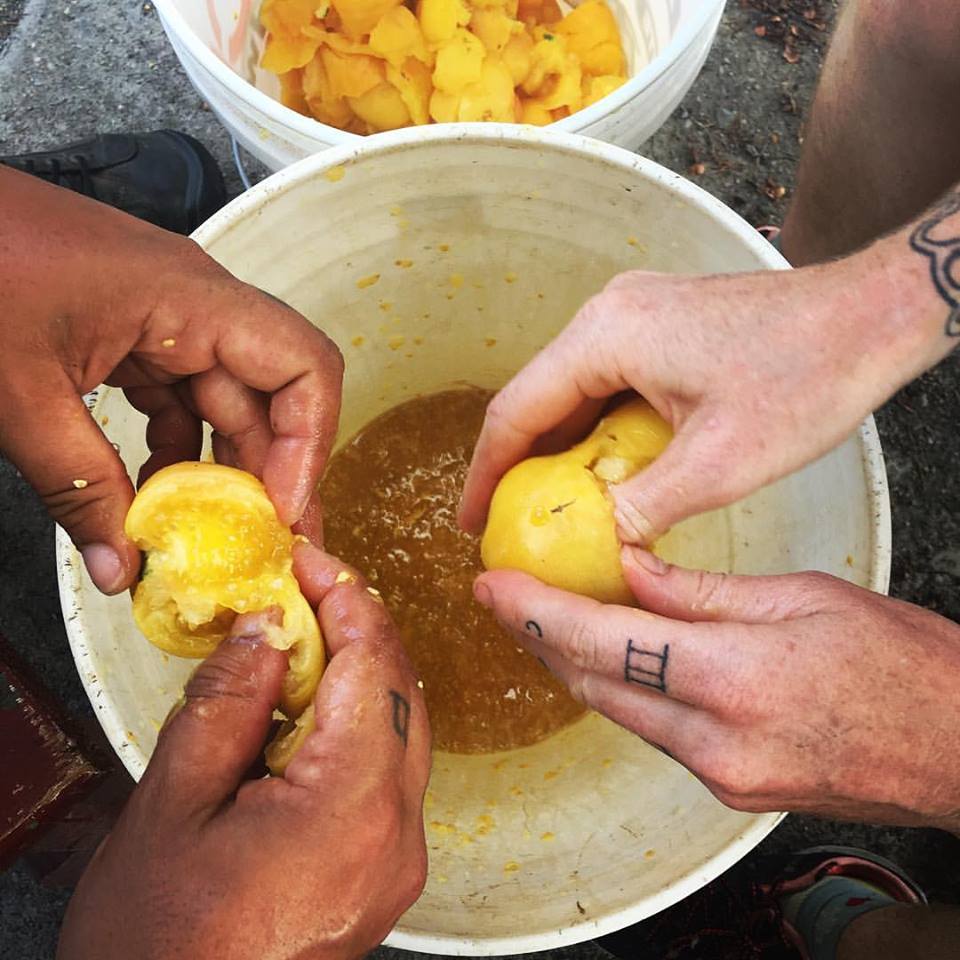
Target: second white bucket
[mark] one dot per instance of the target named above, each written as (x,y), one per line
(219,44)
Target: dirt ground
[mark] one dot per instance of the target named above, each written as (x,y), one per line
(738,134)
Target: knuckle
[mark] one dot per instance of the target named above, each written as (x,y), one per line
(84,496)
(384,815)
(709,591)
(593,310)
(747,781)
(330,354)
(740,803)
(606,309)
(414,875)
(225,674)
(583,645)
(580,683)
(626,282)
(731,775)
(499,408)
(810,589)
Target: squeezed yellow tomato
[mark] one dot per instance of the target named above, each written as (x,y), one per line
(215,548)
(552,517)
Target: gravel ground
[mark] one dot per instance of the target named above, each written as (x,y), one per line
(72,67)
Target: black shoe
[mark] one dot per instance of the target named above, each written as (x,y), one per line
(166,177)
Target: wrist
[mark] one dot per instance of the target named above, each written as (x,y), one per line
(878,311)
(916,315)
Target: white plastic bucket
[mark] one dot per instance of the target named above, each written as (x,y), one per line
(219,43)
(604,831)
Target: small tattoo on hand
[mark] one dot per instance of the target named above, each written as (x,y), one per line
(531,626)
(646,667)
(944,255)
(401,715)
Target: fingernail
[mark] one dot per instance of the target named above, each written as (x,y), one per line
(250,629)
(649,561)
(632,525)
(299,504)
(482,594)
(104,566)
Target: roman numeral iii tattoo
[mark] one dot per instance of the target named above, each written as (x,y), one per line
(401,715)
(943,252)
(646,667)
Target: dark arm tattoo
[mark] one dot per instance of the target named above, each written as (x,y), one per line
(401,715)
(944,255)
(531,626)
(646,667)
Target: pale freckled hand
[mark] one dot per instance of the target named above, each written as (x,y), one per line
(799,692)
(754,372)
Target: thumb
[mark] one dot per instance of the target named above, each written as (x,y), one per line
(62,453)
(698,471)
(697,595)
(209,744)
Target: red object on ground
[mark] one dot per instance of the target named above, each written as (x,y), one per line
(43,772)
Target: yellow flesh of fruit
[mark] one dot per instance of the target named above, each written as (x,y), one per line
(215,548)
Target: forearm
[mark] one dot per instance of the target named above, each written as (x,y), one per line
(920,280)
(891,311)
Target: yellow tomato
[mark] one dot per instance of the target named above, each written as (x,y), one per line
(605,59)
(491,97)
(382,107)
(351,75)
(287,16)
(215,548)
(594,88)
(287,47)
(548,58)
(439,19)
(398,36)
(517,57)
(533,112)
(592,36)
(291,91)
(494,28)
(459,62)
(359,17)
(285,52)
(415,86)
(444,107)
(552,516)
(563,90)
(326,107)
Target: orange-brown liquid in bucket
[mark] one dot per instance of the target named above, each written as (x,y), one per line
(390,502)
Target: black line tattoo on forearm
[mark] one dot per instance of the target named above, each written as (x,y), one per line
(944,255)
(531,626)
(401,715)
(646,667)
